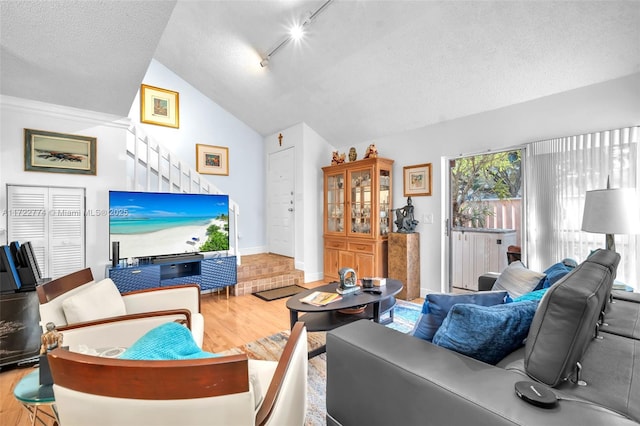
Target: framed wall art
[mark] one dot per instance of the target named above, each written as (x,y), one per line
(159,106)
(417,180)
(212,160)
(59,152)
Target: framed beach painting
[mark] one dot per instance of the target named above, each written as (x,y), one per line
(212,160)
(59,152)
(159,106)
(417,180)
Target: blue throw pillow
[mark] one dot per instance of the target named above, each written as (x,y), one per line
(554,273)
(437,305)
(534,295)
(169,341)
(486,333)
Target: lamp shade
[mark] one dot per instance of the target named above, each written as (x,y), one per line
(611,211)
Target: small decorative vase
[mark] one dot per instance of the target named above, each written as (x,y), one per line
(352,154)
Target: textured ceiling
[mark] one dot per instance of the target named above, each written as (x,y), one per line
(364,70)
(85,54)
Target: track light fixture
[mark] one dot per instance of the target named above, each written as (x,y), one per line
(295,34)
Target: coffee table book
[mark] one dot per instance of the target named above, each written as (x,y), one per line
(321,298)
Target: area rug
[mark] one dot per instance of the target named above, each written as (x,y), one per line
(279,293)
(270,348)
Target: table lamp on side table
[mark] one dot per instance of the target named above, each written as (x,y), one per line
(611,211)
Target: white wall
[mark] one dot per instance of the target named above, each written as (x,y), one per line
(17,114)
(317,154)
(312,152)
(609,105)
(202,121)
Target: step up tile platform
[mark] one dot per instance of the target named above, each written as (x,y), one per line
(266,271)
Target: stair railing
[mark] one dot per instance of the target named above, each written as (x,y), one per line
(152,167)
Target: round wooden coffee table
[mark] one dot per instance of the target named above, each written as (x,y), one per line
(328,317)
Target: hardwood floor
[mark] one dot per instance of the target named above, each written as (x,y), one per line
(228,323)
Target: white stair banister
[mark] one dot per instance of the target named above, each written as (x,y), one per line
(147,156)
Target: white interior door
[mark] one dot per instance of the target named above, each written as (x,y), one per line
(280,203)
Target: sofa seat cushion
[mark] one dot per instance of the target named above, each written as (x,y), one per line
(517,280)
(622,318)
(626,295)
(486,333)
(610,370)
(437,305)
(169,341)
(564,324)
(93,302)
(197,328)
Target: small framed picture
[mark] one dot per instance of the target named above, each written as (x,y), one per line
(59,152)
(212,160)
(159,106)
(417,180)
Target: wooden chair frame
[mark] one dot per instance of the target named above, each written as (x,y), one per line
(55,288)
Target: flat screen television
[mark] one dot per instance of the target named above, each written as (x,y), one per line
(154,224)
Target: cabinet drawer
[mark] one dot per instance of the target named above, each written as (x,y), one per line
(131,279)
(333,244)
(362,247)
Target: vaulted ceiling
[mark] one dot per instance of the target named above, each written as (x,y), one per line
(364,69)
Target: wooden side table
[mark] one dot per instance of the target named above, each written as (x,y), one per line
(34,396)
(404,263)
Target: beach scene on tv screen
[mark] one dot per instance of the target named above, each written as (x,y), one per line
(153,224)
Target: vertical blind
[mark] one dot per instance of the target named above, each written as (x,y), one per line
(558,174)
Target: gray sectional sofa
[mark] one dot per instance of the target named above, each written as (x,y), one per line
(589,360)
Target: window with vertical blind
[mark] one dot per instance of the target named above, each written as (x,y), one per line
(558,173)
(53,219)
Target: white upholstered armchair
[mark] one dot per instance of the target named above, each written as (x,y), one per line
(227,391)
(95,315)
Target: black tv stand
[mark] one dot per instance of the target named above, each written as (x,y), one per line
(176,258)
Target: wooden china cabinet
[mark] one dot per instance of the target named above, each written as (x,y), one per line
(357,219)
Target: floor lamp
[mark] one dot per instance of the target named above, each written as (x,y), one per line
(611,211)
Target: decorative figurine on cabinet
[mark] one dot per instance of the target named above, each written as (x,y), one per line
(372,151)
(353,155)
(337,158)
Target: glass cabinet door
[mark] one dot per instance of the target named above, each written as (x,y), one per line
(384,198)
(335,203)
(361,201)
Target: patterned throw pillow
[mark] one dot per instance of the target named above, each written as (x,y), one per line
(517,280)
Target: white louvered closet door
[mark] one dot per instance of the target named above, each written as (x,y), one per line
(53,219)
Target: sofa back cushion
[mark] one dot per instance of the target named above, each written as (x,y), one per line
(52,311)
(97,301)
(565,321)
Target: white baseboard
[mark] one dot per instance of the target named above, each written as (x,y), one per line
(313,276)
